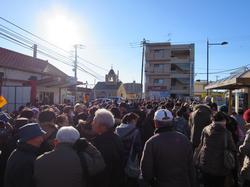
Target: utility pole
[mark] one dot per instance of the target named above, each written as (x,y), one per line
(35,50)
(207,64)
(76,46)
(75,71)
(142,65)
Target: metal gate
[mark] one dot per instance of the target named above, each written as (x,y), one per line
(16,96)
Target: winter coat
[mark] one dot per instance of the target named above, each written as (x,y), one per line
(167,160)
(19,169)
(199,118)
(211,156)
(111,148)
(129,135)
(245,150)
(147,129)
(181,125)
(59,167)
(91,159)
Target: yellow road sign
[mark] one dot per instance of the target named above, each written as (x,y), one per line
(3,101)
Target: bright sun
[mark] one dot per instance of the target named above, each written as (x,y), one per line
(61,29)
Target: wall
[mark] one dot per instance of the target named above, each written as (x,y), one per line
(16,75)
(121,92)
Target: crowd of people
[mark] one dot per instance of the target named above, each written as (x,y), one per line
(173,143)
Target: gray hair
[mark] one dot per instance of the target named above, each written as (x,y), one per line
(104,117)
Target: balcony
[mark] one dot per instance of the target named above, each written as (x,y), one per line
(177,74)
(175,60)
(181,70)
(151,72)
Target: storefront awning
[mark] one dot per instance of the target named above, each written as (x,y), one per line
(235,81)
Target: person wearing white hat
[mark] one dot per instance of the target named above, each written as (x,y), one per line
(163,118)
(61,166)
(167,156)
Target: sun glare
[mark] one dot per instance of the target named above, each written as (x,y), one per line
(61,29)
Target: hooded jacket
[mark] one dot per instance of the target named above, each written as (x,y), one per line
(129,135)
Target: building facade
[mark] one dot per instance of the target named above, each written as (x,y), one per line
(169,70)
(133,90)
(199,88)
(112,87)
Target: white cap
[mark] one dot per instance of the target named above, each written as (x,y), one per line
(163,115)
(67,135)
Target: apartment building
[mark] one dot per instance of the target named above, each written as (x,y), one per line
(169,70)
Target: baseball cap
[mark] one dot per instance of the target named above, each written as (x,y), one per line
(163,115)
(67,135)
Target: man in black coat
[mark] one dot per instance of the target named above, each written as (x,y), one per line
(111,148)
(167,158)
(19,169)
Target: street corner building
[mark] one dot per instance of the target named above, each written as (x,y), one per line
(27,79)
(169,70)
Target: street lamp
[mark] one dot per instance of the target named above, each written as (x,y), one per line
(208,44)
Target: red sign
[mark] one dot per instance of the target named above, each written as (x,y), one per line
(157,88)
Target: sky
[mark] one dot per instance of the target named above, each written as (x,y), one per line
(110,32)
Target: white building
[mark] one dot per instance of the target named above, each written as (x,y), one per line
(27,79)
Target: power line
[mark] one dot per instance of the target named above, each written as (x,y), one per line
(87,61)
(89,69)
(28,40)
(31,42)
(48,42)
(13,39)
(33,34)
(18,43)
(81,69)
(6,37)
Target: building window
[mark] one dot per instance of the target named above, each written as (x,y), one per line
(159,66)
(46,97)
(180,53)
(159,53)
(173,82)
(173,67)
(158,81)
